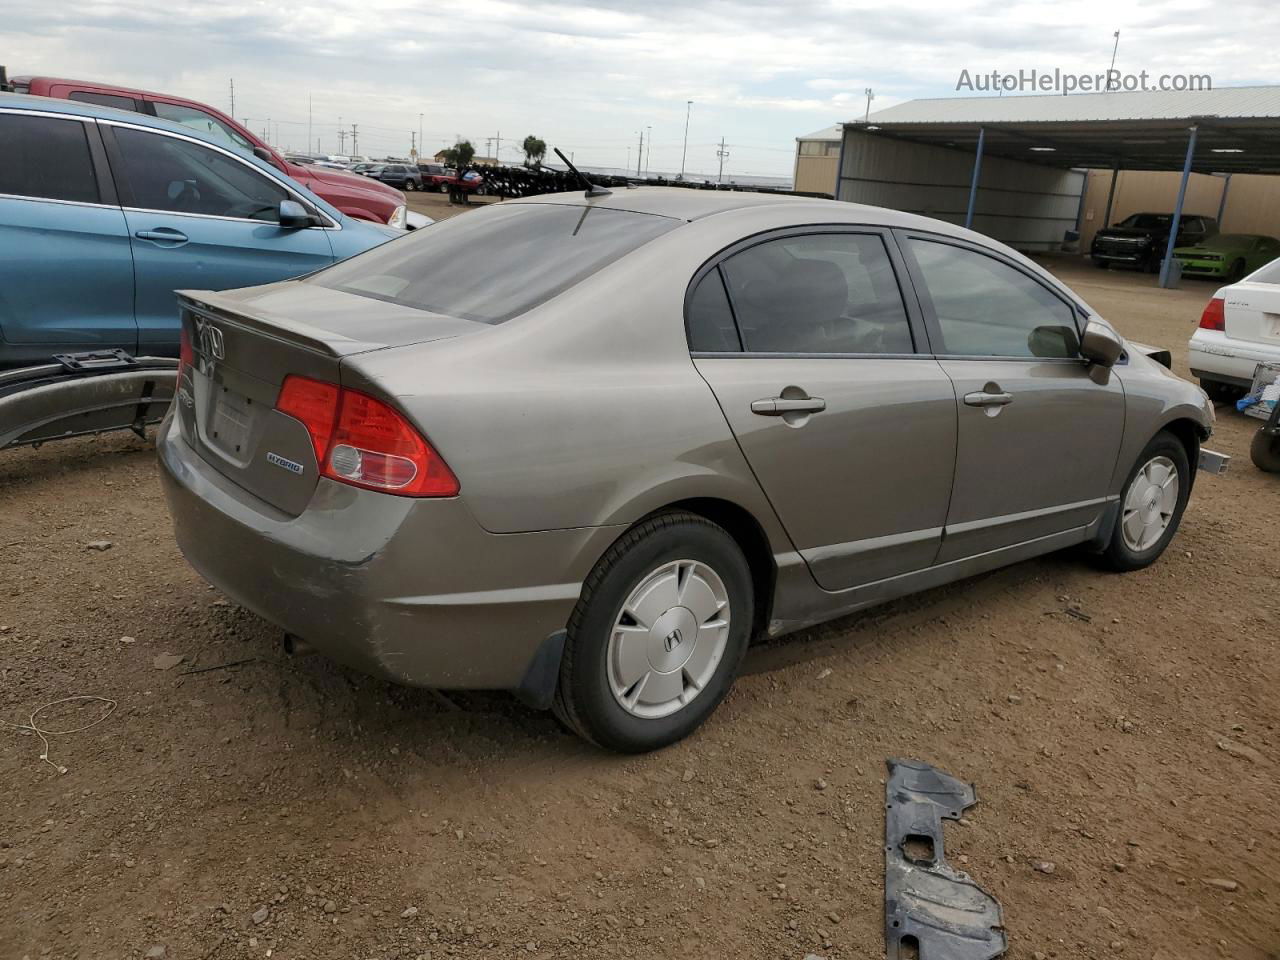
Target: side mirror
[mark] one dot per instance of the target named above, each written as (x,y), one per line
(294,216)
(1102,348)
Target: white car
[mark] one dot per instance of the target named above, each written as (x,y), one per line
(1239,329)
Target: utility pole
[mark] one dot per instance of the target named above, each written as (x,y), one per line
(1112,68)
(342,142)
(871,95)
(233,96)
(685,152)
(723,154)
(413,145)
(648,151)
(497,145)
(355,143)
(639,155)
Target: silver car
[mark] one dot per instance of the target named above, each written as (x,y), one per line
(588,448)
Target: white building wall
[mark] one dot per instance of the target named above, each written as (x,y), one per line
(1027,206)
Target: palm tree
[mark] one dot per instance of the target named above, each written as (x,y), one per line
(534,150)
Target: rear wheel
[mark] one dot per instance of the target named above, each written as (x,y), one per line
(1235,272)
(1264,451)
(409,186)
(1151,504)
(657,636)
(1101,264)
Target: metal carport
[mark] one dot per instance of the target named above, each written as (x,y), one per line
(1224,131)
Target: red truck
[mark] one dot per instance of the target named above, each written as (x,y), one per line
(354,195)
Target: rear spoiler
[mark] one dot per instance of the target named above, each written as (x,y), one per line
(217,306)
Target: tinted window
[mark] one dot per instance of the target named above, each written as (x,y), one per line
(205,123)
(497,263)
(1148,221)
(986,308)
(165,173)
(45,157)
(818,293)
(105,100)
(711,326)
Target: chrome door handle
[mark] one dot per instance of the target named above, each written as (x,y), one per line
(777,406)
(983,399)
(166,234)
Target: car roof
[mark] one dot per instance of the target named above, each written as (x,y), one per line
(690,204)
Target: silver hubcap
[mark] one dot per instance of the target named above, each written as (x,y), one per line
(1149,504)
(668,639)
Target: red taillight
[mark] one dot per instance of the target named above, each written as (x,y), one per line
(361,441)
(315,403)
(186,356)
(1214,316)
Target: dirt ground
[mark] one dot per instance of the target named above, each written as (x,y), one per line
(285,807)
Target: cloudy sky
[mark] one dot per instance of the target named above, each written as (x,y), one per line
(589,77)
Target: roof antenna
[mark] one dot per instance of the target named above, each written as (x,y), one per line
(592,189)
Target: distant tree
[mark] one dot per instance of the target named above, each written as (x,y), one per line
(534,150)
(459,155)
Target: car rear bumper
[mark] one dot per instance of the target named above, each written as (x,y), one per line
(1212,355)
(412,590)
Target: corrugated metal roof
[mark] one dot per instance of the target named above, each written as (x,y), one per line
(1226,102)
(826,133)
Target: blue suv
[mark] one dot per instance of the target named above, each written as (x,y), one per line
(104,213)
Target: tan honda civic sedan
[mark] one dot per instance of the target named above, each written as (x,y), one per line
(588,447)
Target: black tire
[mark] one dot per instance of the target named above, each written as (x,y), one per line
(1152,263)
(1101,264)
(1236,272)
(444,188)
(1118,555)
(409,186)
(1264,451)
(584,700)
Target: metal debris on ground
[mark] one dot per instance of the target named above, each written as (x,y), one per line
(931,909)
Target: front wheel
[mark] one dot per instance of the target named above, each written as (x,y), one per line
(657,636)
(1151,504)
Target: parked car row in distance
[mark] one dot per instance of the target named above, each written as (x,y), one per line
(1141,239)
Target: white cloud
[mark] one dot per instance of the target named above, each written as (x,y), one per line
(588,77)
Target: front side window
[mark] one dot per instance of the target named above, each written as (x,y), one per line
(205,123)
(495,264)
(986,308)
(818,293)
(46,157)
(178,176)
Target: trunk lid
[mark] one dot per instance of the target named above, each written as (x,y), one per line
(246,342)
(1252,311)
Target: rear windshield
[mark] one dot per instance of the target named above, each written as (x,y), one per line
(493,265)
(1148,221)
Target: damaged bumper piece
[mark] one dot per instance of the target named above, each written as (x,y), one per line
(932,910)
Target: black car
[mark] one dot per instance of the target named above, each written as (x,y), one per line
(1140,240)
(402,175)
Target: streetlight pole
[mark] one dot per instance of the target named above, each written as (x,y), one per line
(685,152)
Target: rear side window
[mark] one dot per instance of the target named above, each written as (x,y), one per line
(711,327)
(46,157)
(178,176)
(105,100)
(986,308)
(497,263)
(818,293)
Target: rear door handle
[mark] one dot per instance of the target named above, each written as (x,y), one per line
(163,234)
(984,399)
(777,406)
